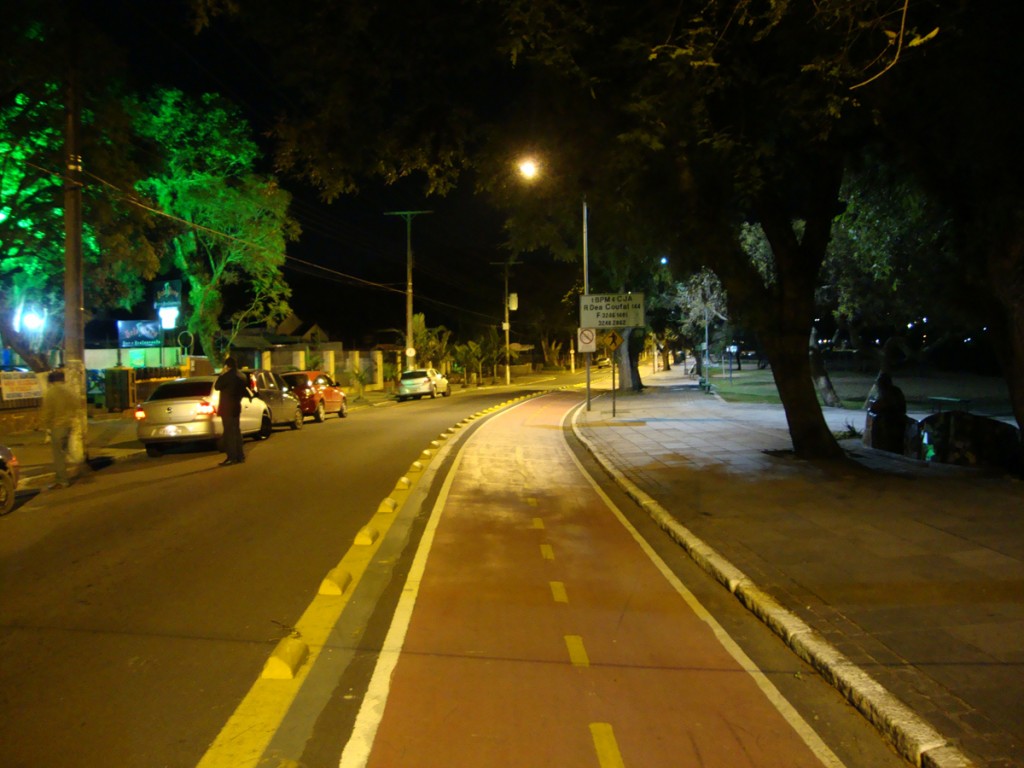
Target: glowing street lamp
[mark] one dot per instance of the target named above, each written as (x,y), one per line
(529,169)
(33,321)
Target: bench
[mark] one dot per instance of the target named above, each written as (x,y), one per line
(949,403)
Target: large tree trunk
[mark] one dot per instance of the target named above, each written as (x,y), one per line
(789,316)
(791,369)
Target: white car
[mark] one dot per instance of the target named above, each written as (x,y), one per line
(417,382)
(185,411)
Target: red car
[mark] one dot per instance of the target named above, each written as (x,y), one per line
(318,393)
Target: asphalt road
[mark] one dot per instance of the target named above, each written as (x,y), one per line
(139,605)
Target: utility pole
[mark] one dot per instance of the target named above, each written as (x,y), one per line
(507,324)
(586,285)
(410,351)
(74,325)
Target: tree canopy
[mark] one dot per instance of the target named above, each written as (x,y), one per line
(234,222)
(679,124)
(120,248)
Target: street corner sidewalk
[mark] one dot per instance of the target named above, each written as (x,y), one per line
(111,438)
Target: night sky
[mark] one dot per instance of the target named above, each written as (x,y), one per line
(455,282)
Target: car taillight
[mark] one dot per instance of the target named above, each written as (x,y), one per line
(140,415)
(205,408)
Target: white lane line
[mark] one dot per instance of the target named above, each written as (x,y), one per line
(360,744)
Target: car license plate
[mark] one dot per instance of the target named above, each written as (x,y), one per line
(170,431)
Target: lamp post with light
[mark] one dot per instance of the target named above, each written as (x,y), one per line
(529,169)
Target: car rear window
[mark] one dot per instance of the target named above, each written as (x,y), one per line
(414,375)
(296,380)
(173,390)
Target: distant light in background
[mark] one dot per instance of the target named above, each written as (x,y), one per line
(168,317)
(664,260)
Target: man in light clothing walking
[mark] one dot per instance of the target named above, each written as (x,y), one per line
(60,409)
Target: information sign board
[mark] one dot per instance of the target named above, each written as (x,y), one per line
(610,310)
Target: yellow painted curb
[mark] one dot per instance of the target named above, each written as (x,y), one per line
(286,659)
(366,536)
(336,582)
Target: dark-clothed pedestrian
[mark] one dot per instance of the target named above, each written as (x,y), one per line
(889,412)
(233,386)
(60,409)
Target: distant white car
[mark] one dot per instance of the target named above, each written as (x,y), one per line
(185,411)
(417,382)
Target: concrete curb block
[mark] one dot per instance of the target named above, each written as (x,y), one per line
(286,659)
(366,536)
(337,581)
(914,739)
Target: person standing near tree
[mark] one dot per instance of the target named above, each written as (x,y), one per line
(889,413)
(232,386)
(60,409)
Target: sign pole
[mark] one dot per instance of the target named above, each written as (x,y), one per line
(586,287)
(615,364)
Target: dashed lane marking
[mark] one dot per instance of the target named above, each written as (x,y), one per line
(606,746)
(577,652)
(547,552)
(558,592)
(538,524)
(796,721)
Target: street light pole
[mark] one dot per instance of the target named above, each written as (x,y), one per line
(408,216)
(508,360)
(586,287)
(507,323)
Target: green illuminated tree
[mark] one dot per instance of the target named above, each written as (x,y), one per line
(118,253)
(233,223)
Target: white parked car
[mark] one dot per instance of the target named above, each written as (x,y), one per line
(185,411)
(418,382)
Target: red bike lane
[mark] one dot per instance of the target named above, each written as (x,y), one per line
(536,630)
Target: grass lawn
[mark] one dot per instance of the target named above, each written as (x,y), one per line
(986,395)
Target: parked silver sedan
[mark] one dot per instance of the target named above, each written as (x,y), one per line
(185,411)
(284,405)
(418,382)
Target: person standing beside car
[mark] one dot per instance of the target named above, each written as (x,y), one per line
(60,409)
(233,386)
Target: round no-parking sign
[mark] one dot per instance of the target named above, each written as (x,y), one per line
(586,340)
